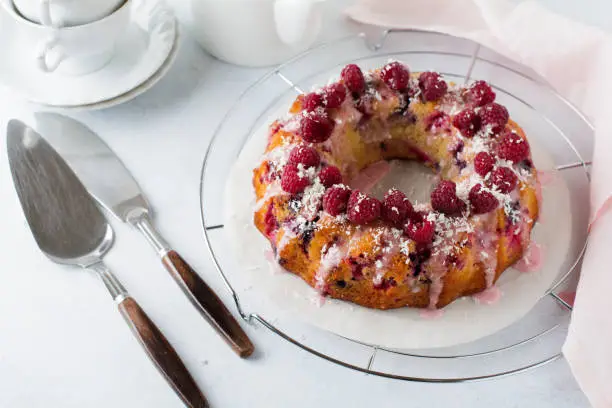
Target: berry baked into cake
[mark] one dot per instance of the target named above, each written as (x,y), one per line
(392,253)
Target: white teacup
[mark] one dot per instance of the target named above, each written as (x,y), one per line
(66,13)
(256,32)
(75,50)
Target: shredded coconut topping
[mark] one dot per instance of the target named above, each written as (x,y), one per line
(278,156)
(450,231)
(308,173)
(311,201)
(479,144)
(413,85)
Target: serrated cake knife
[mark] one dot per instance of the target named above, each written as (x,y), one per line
(112,185)
(70,229)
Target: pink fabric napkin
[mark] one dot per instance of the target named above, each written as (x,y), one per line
(577,61)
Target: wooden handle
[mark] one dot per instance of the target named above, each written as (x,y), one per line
(162,354)
(209,305)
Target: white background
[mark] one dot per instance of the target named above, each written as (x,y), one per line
(62,343)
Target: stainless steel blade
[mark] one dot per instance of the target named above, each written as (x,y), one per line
(101,171)
(70,228)
(109,181)
(65,221)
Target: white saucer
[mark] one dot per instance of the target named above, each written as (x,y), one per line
(144,56)
(131,94)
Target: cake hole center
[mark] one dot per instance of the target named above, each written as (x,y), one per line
(411,177)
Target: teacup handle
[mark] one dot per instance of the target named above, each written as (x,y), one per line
(45,12)
(43,61)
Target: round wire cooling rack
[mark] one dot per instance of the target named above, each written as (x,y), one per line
(545,115)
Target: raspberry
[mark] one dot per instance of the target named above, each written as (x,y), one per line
(334,95)
(420,232)
(467,121)
(482,201)
(291,181)
(395,75)
(512,147)
(316,127)
(335,199)
(363,208)
(417,216)
(480,93)
(483,163)
(504,179)
(444,198)
(396,207)
(437,120)
(330,175)
(353,78)
(306,155)
(432,86)
(312,101)
(494,115)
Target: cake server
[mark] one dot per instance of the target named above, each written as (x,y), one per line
(70,229)
(112,185)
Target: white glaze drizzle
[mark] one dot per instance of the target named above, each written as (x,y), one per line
(448,230)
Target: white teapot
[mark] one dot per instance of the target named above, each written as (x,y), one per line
(256,32)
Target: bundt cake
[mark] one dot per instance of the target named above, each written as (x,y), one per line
(392,253)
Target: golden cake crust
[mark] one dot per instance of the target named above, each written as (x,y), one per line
(343,260)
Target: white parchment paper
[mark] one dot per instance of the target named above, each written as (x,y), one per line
(276,293)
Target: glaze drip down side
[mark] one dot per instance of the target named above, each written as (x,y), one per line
(346,244)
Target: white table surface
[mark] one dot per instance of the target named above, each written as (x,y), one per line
(62,343)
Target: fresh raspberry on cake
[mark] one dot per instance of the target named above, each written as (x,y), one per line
(504,179)
(444,198)
(482,201)
(305,155)
(385,254)
(480,93)
(353,78)
(512,147)
(418,216)
(483,163)
(335,199)
(312,101)
(467,122)
(494,115)
(436,121)
(396,75)
(316,126)
(362,208)
(396,207)
(432,86)
(421,232)
(334,95)
(293,180)
(330,175)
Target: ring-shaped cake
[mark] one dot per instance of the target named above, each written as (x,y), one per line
(392,253)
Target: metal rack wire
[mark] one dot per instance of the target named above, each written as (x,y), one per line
(369,365)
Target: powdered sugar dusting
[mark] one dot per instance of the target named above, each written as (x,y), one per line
(451,233)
